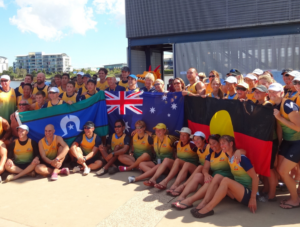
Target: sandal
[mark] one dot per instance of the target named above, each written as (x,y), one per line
(149,183)
(182,204)
(198,215)
(160,187)
(291,206)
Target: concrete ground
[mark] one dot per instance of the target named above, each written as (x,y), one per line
(110,201)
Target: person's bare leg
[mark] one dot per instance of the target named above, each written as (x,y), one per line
(96,165)
(182,175)
(126,159)
(178,164)
(147,174)
(76,152)
(226,186)
(110,162)
(143,158)
(197,196)
(24,172)
(166,164)
(273,181)
(192,185)
(146,166)
(3,157)
(43,170)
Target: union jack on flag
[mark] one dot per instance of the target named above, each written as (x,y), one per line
(123,101)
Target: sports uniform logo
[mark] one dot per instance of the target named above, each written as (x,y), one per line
(222,159)
(29,149)
(164,145)
(124,101)
(236,168)
(66,120)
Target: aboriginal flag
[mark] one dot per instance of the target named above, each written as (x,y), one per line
(251,125)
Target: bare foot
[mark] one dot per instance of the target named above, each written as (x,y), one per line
(289,204)
(173,187)
(9,178)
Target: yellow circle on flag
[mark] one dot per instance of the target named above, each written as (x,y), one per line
(221,124)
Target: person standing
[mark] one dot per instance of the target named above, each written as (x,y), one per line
(196,87)
(41,86)
(8,98)
(124,77)
(102,84)
(28,80)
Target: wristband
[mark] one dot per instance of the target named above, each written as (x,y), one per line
(113,154)
(84,158)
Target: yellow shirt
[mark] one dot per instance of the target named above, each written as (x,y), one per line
(208,89)
(30,101)
(125,85)
(291,95)
(117,141)
(250,96)
(61,90)
(66,98)
(102,86)
(8,102)
(1,128)
(192,88)
(59,103)
(52,149)
(77,86)
(45,89)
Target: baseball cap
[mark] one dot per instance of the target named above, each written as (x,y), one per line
(87,75)
(201,74)
(184,129)
(5,77)
(126,69)
(293,73)
(235,71)
(160,126)
(133,76)
(54,89)
(297,78)
(261,88)
(89,124)
(25,127)
(251,77)
(286,70)
(92,81)
(111,76)
(275,87)
(80,73)
(198,133)
(231,79)
(258,71)
(243,84)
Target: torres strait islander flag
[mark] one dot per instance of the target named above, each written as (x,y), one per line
(151,107)
(251,125)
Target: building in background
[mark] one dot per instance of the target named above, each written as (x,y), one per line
(115,66)
(213,35)
(3,64)
(36,61)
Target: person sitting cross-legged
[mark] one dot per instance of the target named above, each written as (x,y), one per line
(3,157)
(53,150)
(22,156)
(117,146)
(85,149)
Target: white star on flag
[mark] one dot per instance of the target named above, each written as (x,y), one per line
(126,126)
(164,97)
(174,106)
(152,110)
(169,115)
(71,126)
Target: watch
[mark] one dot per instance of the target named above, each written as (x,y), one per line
(113,154)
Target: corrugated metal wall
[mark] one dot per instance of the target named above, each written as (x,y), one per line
(138,61)
(165,17)
(267,53)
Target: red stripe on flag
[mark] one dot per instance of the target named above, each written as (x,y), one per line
(258,151)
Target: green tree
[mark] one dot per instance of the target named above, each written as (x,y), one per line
(34,73)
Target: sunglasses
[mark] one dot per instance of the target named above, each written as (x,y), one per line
(118,126)
(87,127)
(23,104)
(241,89)
(157,84)
(139,127)
(296,82)
(176,83)
(4,81)
(212,76)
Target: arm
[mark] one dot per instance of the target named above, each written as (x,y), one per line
(205,171)
(294,122)
(200,87)
(3,154)
(121,151)
(237,155)
(279,133)
(92,153)
(6,127)
(65,148)
(43,153)
(252,203)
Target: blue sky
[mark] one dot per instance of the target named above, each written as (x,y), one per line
(91,32)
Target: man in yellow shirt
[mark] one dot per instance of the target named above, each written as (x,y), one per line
(8,98)
(124,77)
(102,84)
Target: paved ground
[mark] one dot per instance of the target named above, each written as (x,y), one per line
(109,201)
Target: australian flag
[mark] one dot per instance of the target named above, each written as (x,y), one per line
(152,108)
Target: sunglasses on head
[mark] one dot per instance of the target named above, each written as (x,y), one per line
(241,89)
(296,82)
(118,126)
(87,127)
(139,127)
(23,104)
(2,81)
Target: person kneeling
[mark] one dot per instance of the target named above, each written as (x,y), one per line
(53,150)
(85,150)
(22,156)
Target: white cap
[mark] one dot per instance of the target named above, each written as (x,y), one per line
(243,84)
(297,78)
(80,73)
(5,77)
(231,79)
(251,77)
(198,133)
(258,71)
(293,73)
(275,87)
(184,129)
(25,127)
(54,89)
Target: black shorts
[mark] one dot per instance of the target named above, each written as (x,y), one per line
(92,160)
(290,150)
(274,153)
(247,196)
(46,164)
(22,166)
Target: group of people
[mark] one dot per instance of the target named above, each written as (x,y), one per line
(210,161)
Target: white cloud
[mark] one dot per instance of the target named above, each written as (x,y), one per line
(2,3)
(54,19)
(112,7)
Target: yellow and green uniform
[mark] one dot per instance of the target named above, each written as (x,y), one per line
(114,140)
(208,89)
(30,101)
(44,89)
(250,96)
(286,107)
(102,86)
(134,90)
(1,128)
(291,95)
(219,164)
(202,154)
(61,90)
(234,96)
(36,106)
(23,152)
(86,96)
(297,101)
(192,88)
(87,144)
(187,152)
(74,98)
(165,148)
(77,86)
(49,104)
(8,102)
(122,84)
(141,146)
(19,90)
(239,171)
(52,149)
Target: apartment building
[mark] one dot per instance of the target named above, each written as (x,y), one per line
(3,64)
(41,61)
